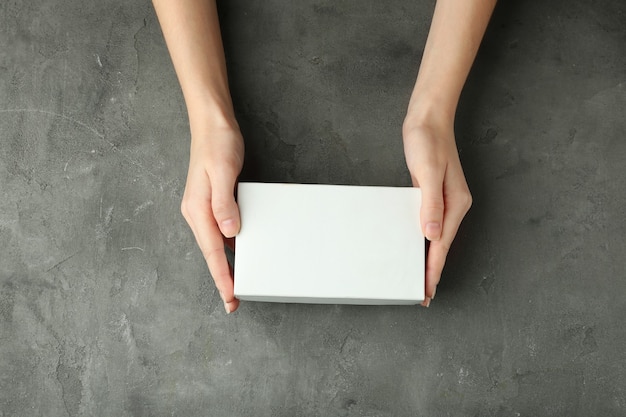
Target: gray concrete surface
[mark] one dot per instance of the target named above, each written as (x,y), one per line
(106,306)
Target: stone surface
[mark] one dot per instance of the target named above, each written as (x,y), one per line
(106,305)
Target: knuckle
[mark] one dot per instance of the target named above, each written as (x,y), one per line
(211,253)
(434,204)
(221,208)
(462,199)
(185,208)
(467,200)
(225,166)
(191,207)
(433,164)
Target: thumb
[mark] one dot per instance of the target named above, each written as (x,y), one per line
(225,209)
(431,212)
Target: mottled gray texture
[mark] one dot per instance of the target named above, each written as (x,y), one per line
(106,306)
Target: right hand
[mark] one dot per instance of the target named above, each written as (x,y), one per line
(433,161)
(208,204)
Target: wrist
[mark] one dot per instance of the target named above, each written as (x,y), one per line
(425,111)
(209,114)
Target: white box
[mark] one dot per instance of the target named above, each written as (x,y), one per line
(329,244)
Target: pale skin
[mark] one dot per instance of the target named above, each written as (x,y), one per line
(191,30)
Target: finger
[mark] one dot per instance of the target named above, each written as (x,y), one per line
(455,211)
(431,212)
(437,253)
(232,305)
(211,244)
(223,203)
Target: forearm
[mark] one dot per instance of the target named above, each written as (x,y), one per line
(455,34)
(192,33)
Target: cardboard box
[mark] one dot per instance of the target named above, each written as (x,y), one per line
(329,244)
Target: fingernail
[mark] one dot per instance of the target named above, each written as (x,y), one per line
(227,226)
(426,302)
(432,297)
(226,306)
(433,231)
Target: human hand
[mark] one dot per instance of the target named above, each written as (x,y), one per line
(434,164)
(208,204)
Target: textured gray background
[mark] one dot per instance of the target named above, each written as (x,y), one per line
(106,306)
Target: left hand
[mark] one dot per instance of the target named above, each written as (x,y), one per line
(208,205)
(433,161)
